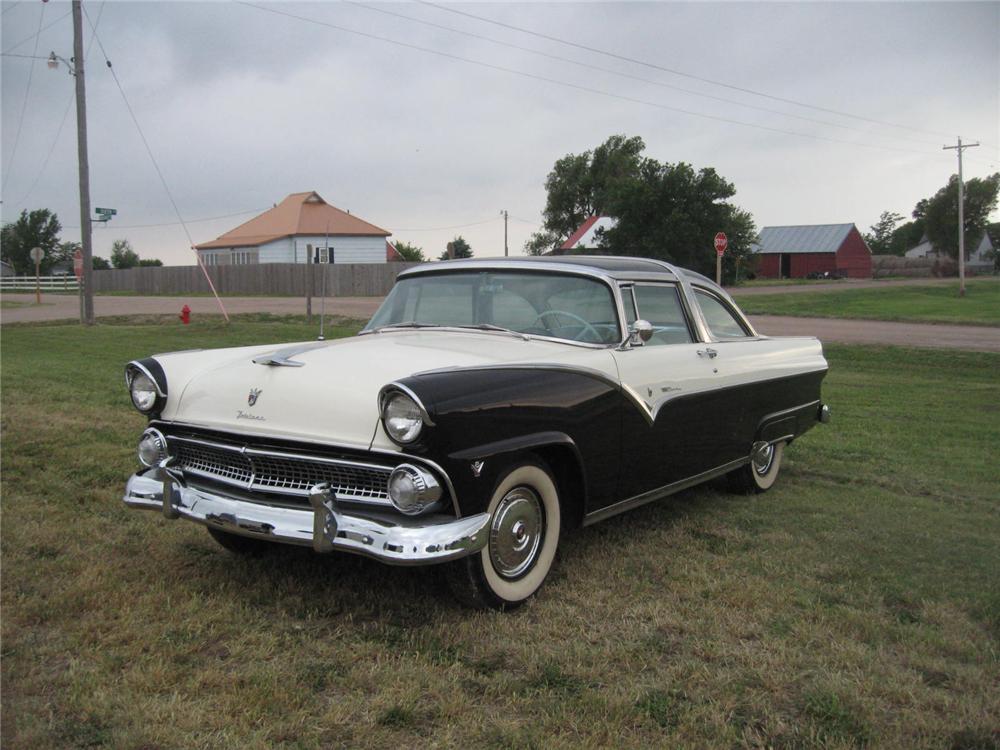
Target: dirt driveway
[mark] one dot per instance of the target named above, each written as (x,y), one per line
(56,307)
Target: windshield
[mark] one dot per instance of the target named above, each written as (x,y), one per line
(563,306)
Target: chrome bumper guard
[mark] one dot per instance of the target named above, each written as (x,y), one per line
(327,527)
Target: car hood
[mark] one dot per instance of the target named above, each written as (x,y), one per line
(331,395)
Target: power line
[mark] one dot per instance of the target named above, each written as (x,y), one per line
(35,35)
(578,87)
(156,166)
(177,223)
(9,8)
(62,122)
(24,107)
(681,73)
(454,226)
(628,76)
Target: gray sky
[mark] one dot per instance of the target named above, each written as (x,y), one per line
(242,106)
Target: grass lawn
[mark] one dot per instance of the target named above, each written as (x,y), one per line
(857,603)
(918,304)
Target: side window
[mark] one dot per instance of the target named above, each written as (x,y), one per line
(628,302)
(721,322)
(661,306)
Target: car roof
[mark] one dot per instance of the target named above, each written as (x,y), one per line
(620,268)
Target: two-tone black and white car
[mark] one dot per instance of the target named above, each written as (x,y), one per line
(487,406)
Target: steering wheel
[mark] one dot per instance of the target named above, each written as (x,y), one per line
(586,327)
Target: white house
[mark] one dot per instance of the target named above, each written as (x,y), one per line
(285,234)
(586,235)
(980,259)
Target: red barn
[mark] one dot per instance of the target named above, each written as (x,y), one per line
(794,252)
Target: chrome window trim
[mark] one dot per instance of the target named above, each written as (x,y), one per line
(398,456)
(689,318)
(727,302)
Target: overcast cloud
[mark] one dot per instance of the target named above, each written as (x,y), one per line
(242,106)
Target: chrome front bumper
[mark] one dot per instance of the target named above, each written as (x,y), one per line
(394,539)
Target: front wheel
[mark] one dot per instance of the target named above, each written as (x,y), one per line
(761,473)
(523,536)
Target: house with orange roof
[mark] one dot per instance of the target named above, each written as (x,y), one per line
(302,225)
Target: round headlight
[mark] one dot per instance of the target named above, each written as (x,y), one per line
(412,490)
(152,448)
(143,391)
(402,418)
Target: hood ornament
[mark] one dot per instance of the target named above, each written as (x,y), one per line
(252,398)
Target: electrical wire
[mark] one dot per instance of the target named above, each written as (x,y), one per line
(628,76)
(684,74)
(24,107)
(578,87)
(9,8)
(13,47)
(454,226)
(156,166)
(177,223)
(62,122)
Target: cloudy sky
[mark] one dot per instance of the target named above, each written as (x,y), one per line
(435,132)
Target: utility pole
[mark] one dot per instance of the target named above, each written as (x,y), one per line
(961,213)
(504,212)
(81,141)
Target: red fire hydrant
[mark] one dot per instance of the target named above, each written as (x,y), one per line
(185,315)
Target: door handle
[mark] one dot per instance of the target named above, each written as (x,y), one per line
(708,352)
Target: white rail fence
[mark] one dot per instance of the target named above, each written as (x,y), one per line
(45,283)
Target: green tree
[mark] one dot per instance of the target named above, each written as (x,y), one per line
(583,185)
(460,247)
(879,237)
(410,253)
(39,228)
(906,236)
(122,254)
(940,213)
(672,212)
(143,262)
(99,264)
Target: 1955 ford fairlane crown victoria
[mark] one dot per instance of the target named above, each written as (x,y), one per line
(487,406)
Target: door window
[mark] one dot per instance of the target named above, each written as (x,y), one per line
(660,304)
(720,319)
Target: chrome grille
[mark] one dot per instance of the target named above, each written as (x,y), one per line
(279,472)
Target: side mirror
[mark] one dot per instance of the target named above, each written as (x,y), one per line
(640,332)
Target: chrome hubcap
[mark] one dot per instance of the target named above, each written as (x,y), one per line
(516,532)
(762,458)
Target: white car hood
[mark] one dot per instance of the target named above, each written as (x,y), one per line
(333,396)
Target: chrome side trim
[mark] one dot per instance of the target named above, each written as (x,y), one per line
(661,492)
(589,372)
(387,537)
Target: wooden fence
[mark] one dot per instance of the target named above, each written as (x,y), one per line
(277,279)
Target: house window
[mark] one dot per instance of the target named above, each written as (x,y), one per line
(245,257)
(323,254)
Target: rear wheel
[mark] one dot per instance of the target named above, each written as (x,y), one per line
(523,536)
(240,545)
(761,472)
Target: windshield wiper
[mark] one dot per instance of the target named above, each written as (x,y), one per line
(498,329)
(403,324)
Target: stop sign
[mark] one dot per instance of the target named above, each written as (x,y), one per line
(78,263)
(721,243)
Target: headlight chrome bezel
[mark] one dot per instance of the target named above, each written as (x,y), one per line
(134,371)
(394,392)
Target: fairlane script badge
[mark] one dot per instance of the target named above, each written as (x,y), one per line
(252,398)
(240,414)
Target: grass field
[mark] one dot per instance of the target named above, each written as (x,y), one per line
(856,604)
(919,304)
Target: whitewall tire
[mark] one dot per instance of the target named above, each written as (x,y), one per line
(523,536)
(760,474)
